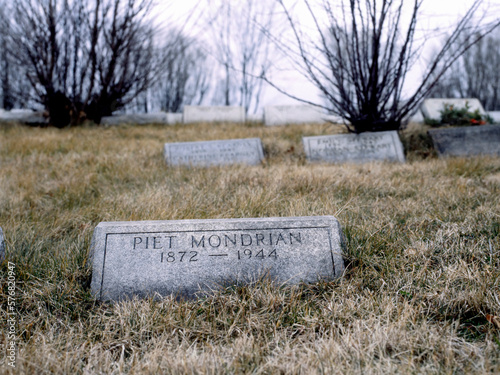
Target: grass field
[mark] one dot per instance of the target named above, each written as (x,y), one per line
(421,291)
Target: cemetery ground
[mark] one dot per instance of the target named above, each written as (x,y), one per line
(420,294)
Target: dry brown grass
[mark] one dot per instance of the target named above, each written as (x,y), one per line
(421,293)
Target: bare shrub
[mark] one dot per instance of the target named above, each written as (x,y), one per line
(364,52)
(96,54)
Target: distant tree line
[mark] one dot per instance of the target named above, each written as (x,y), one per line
(85,59)
(80,59)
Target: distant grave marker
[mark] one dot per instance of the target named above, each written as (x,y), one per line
(358,148)
(174,118)
(143,118)
(254,117)
(26,116)
(2,246)
(292,114)
(210,153)
(431,108)
(184,257)
(495,115)
(213,114)
(467,140)
(417,117)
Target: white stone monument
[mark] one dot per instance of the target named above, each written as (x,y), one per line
(213,114)
(431,108)
(292,114)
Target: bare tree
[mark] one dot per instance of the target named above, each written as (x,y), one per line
(124,56)
(81,56)
(475,74)
(242,50)
(364,52)
(183,75)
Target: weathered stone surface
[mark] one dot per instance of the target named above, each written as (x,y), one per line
(2,246)
(467,140)
(254,117)
(209,153)
(358,148)
(174,118)
(188,256)
(25,116)
(417,118)
(143,118)
(335,119)
(292,114)
(213,114)
(431,108)
(495,115)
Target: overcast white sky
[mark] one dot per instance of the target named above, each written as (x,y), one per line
(436,17)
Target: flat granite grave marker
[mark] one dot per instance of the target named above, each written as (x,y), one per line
(467,140)
(358,148)
(292,114)
(2,246)
(184,257)
(213,114)
(209,153)
(431,108)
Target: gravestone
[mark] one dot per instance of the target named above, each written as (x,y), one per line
(174,118)
(184,257)
(495,116)
(25,116)
(292,114)
(358,148)
(2,246)
(335,119)
(417,117)
(254,117)
(213,114)
(431,108)
(211,153)
(467,140)
(138,118)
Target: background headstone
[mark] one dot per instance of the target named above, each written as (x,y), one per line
(292,114)
(431,108)
(467,140)
(358,148)
(417,118)
(174,118)
(2,246)
(210,153)
(143,118)
(25,116)
(495,115)
(183,257)
(213,114)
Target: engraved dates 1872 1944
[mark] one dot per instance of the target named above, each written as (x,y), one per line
(188,256)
